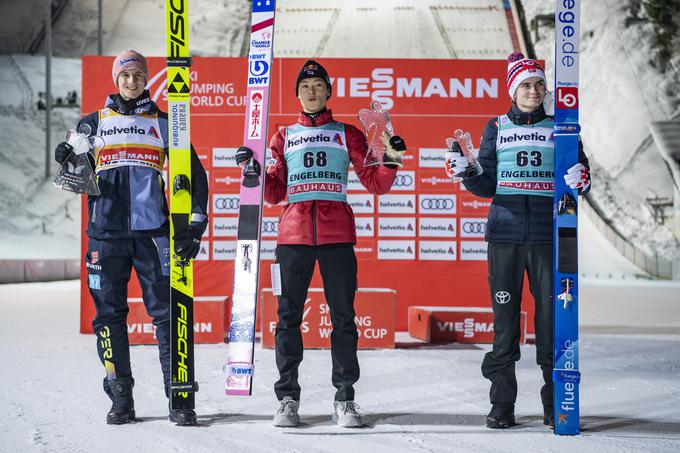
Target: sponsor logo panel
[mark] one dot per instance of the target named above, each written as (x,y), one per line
(437,227)
(365,249)
(365,226)
(270,227)
(224,250)
(267,250)
(436,204)
(397,204)
(353,182)
(437,250)
(204,251)
(397,226)
(224,157)
(473,206)
(225,203)
(405,180)
(361,203)
(472,227)
(431,180)
(224,227)
(473,250)
(396,250)
(431,158)
(226,180)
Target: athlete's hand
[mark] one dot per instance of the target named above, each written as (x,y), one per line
(243,155)
(578,177)
(62,151)
(188,242)
(455,163)
(395,148)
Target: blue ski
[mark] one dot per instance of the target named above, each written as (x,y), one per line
(566,375)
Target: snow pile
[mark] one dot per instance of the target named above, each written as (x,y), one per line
(621,93)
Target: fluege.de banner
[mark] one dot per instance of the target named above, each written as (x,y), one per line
(424,239)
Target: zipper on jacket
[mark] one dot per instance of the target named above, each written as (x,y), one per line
(314,222)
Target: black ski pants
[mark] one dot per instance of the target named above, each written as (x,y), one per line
(507,265)
(338,266)
(109,264)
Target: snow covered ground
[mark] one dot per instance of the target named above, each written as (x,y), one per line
(417,399)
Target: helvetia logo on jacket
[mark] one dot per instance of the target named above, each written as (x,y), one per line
(152,131)
(338,139)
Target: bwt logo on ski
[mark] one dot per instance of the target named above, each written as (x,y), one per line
(259,72)
(382,86)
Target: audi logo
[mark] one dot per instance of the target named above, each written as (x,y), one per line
(437,204)
(502,297)
(403,181)
(474,227)
(227,203)
(270,226)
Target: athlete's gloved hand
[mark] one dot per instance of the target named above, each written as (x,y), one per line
(62,151)
(243,155)
(578,177)
(188,242)
(395,148)
(455,162)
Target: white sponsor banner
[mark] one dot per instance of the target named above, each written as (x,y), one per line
(473,250)
(397,204)
(436,204)
(224,250)
(437,250)
(353,182)
(396,250)
(204,251)
(270,227)
(224,227)
(224,157)
(431,157)
(361,203)
(224,203)
(404,180)
(472,227)
(267,250)
(365,226)
(397,226)
(437,227)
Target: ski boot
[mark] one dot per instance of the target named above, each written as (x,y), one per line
(182,417)
(346,414)
(123,408)
(502,416)
(287,414)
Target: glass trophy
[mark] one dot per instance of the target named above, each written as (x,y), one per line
(375,120)
(464,142)
(76,173)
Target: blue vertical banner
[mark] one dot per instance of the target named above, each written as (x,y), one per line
(566,375)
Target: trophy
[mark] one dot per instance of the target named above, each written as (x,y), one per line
(375,120)
(461,144)
(76,173)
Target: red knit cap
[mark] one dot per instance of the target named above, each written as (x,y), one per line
(520,69)
(129,59)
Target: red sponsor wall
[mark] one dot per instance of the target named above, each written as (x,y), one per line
(424,239)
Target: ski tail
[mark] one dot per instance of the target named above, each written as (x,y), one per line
(566,374)
(182,384)
(247,264)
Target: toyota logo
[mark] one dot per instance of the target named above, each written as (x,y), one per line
(502,297)
(403,181)
(227,203)
(270,226)
(474,227)
(437,204)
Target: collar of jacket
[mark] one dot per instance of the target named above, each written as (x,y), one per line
(140,105)
(520,118)
(315,119)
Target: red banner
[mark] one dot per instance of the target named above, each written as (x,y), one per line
(423,239)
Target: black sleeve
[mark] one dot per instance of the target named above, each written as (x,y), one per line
(88,125)
(484,185)
(199,185)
